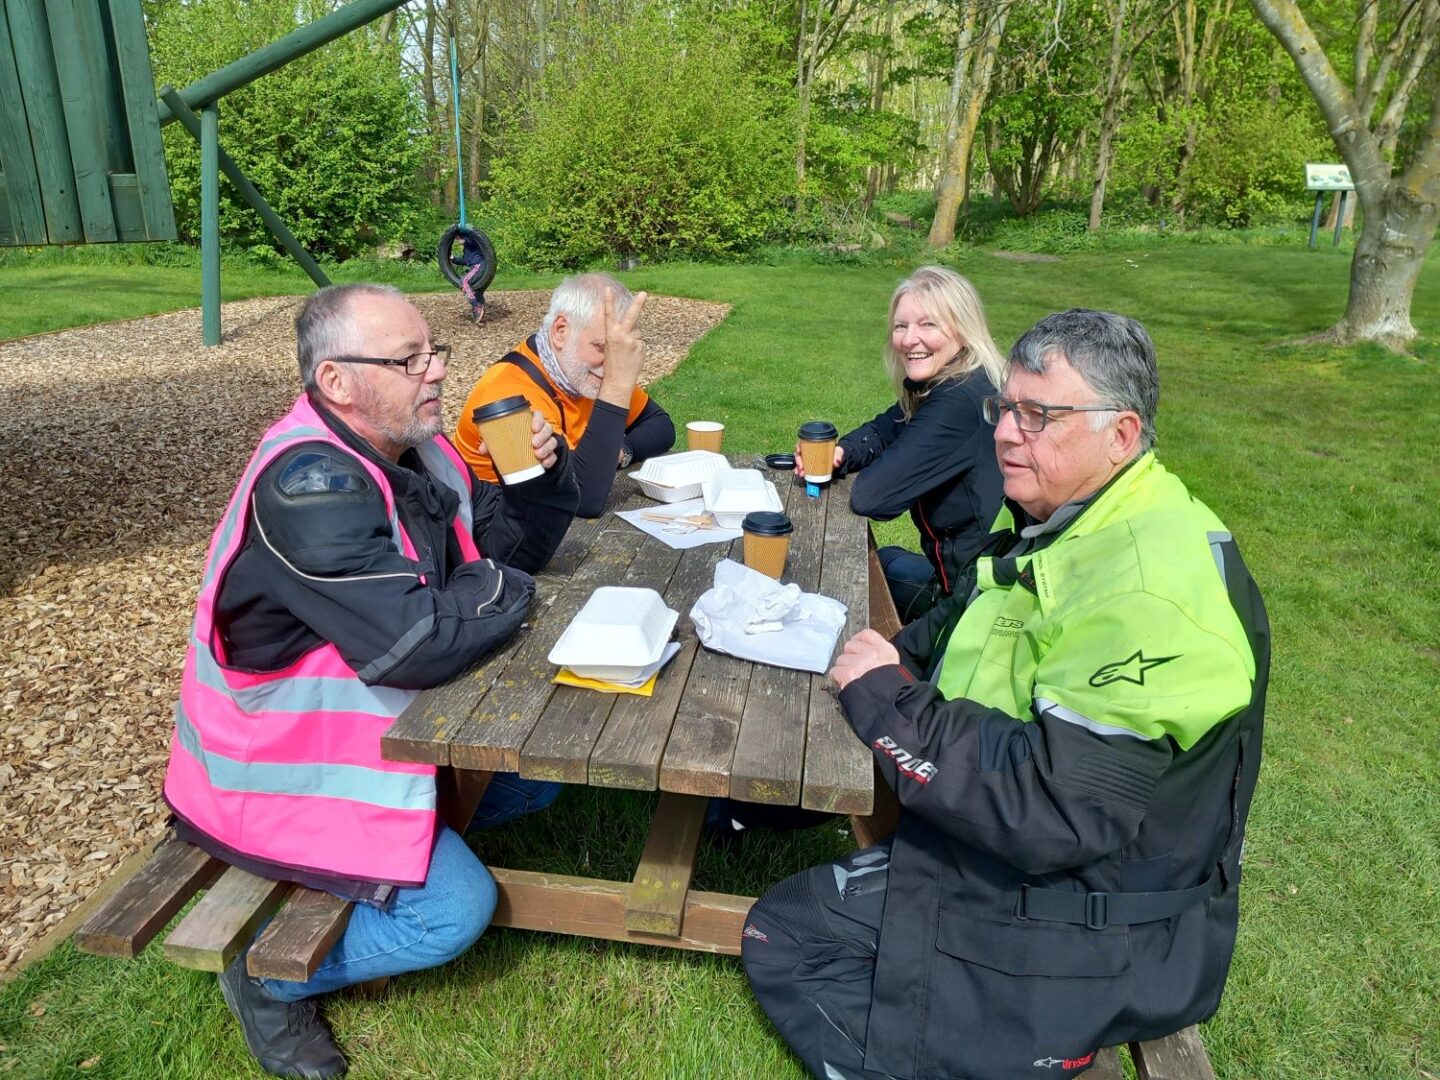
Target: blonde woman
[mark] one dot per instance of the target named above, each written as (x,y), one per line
(930,453)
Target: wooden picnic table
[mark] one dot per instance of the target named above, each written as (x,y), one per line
(715,725)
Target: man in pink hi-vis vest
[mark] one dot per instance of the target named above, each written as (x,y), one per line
(358,562)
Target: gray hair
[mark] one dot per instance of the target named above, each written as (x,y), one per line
(1112,353)
(581,297)
(325,327)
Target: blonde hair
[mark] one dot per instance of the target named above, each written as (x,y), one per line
(952,302)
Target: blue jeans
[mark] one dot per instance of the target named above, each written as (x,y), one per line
(913,584)
(434,923)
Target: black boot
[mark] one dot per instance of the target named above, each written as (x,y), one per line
(288,1038)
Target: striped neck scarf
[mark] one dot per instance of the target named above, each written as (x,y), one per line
(552,365)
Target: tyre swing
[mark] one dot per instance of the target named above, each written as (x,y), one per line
(474,268)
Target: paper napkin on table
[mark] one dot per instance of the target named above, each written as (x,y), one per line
(754,617)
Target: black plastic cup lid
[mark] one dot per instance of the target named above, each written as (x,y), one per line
(767,523)
(497,409)
(818,431)
(780,461)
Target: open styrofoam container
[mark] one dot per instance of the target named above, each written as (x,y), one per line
(677,477)
(618,632)
(733,493)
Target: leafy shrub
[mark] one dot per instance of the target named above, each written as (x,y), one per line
(334,141)
(654,140)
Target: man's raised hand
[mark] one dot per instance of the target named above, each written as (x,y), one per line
(624,350)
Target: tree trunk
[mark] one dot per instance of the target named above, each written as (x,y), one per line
(1388,257)
(877,97)
(1401,213)
(955,177)
(1109,116)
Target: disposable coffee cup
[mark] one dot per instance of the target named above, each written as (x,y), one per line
(505,427)
(817,450)
(767,541)
(704,435)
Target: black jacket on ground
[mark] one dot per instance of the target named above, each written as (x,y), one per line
(940,466)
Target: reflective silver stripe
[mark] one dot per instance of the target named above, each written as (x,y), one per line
(259,460)
(394,791)
(1217,540)
(1070,716)
(438,463)
(314,694)
(399,650)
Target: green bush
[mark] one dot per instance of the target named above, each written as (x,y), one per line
(654,140)
(334,141)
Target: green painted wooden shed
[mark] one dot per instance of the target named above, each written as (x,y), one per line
(81,160)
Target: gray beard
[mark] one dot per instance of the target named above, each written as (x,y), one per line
(414,432)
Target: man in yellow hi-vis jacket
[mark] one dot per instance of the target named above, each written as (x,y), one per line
(1074,745)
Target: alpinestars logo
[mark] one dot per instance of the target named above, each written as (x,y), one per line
(1065,1063)
(1132,669)
(915,768)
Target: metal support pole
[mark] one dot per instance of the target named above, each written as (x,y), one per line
(278,53)
(1315,220)
(246,191)
(210,223)
(1339,219)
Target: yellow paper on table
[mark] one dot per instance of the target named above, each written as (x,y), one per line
(566,677)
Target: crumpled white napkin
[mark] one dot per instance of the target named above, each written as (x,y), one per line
(754,617)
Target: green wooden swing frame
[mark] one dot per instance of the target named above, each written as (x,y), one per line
(81,158)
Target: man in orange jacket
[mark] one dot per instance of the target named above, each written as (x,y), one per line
(580,372)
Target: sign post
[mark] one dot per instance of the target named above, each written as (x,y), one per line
(1323,178)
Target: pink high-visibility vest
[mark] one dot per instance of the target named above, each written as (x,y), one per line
(285,766)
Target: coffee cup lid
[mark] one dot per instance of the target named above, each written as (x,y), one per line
(767,523)
(818,431)
(496,409)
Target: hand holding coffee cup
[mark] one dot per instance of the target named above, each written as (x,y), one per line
(510,436)
(800,460)
(547,449)
(816,451)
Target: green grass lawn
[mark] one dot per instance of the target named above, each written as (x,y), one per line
(1321,461)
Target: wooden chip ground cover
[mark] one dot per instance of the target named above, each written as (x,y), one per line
(121,444)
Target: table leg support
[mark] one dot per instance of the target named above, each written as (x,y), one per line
(458,793)
(588,907)
(656,904)
(880,823)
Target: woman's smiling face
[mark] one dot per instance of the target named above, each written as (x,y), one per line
(922,343)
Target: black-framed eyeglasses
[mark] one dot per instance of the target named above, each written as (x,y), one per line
(1032,416)
(414,364)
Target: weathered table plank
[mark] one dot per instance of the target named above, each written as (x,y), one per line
(496,729)
(128,920)
(627,753)
(424,731)
(1176,1057)
(224,920)
(838,770)
(559,746)
(299,937)
(707,723)
(770,751)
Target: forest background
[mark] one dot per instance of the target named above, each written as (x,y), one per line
(598,130)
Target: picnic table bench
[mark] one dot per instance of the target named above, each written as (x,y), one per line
(715,726)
